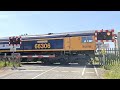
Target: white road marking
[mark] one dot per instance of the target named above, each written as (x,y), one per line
(64,71)
(55,71)
(7,74)
(96,71)
(89,72)
(83,71)
(43,72)
(75,71)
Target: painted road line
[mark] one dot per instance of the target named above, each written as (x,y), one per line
(96,71)
(64,71)
(89,72)
(76,71)
(43,73)
(83,70)
(7,74)
(54,70)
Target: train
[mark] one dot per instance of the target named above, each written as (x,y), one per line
(67,47)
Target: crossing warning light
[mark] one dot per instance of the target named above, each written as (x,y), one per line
(14,41)
(106,35)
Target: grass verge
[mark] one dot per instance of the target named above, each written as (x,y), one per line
(113,72)
(8,64)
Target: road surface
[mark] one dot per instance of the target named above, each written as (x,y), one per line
(38,71)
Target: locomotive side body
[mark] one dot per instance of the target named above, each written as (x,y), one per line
(66,47)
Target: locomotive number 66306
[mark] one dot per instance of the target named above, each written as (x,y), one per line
(42,46)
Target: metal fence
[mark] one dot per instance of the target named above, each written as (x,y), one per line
(109,56)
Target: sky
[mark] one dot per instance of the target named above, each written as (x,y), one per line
(14,23)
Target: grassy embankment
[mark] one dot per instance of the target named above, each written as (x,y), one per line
(113,72)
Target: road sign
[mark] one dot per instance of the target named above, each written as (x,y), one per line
(7,46)
(13,49)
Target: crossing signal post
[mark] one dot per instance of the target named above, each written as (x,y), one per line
(14,41)
(104,35)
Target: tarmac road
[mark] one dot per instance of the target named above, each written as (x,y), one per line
(38,71)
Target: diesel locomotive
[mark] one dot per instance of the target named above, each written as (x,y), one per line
(67,47)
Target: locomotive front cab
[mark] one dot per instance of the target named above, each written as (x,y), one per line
(88,43)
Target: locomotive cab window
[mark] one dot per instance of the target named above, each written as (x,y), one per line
(84,39)
(87,39)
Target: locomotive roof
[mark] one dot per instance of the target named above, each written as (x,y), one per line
(54,35)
